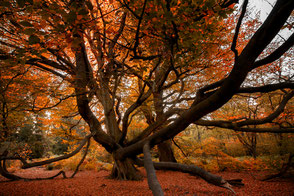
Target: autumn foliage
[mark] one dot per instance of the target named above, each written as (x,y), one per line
(173,80)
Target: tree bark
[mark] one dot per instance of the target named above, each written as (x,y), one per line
(125,170)
(3,170)
(151,174)
(196,171)
(5,173)
(165,148)
(166,153)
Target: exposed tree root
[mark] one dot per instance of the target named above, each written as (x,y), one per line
(4,172)
(151,175)
(197,171)
(13,177)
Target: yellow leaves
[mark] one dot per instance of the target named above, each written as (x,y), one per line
(97,159)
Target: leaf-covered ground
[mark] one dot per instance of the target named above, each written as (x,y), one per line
(173,183)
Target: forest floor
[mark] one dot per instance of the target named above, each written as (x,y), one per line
(173,183)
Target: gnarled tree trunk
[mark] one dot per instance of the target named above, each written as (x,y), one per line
(125,170)
(166,153)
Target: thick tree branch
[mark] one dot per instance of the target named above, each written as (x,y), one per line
(151,128)
(133,71)
(82,81)
(264,130)
(11,176)
(61,58)
(210,89)
(269,29)
(276,54)
(118,34)
(227,3)
(270,117)
(35,164)
(42,67)
(267,88)
(191,169)
(3,170)
(151,174)
(133,107)
(239,126)
(202,92)
(50,63)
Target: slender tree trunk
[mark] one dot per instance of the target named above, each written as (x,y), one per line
(4,134)
(249,142)
(166,153)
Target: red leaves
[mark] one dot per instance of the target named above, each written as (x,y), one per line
(173,183)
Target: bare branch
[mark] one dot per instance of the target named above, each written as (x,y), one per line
(272,116)
(239,126)
(118,34)
(134,106)
(227,3)
(44,68)
(128,7)
(276,54)
(83,158)
(265,130)
(82,143)
(267,88)
(138,29)
(234,43)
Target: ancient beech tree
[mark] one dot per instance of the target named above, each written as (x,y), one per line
(154,59)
